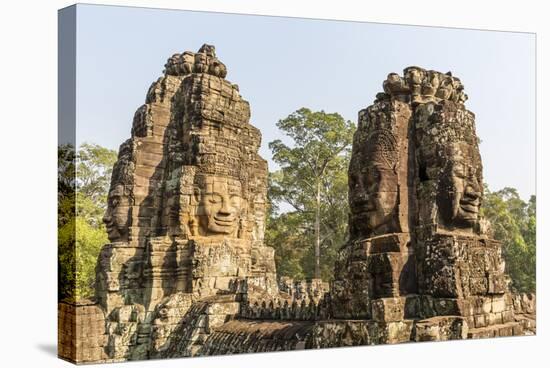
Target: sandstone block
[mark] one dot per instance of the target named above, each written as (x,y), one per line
(388,309)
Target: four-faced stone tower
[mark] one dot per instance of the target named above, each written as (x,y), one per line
(187,204)
(418,250)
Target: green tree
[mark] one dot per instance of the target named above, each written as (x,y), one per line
(513,221)
(83,183)
(79,245)
(66,208)
(312,179)
(95,165)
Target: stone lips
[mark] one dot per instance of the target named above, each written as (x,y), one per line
(187,272)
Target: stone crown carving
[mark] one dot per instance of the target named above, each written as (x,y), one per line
(204,61)
(420,86)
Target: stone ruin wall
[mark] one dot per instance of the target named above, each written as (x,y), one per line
(187,272)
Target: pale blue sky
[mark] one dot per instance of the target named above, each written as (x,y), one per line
(282,64)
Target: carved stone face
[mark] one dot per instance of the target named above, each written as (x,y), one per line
(445,88)
(432,85)
(373,184)
(394,84)
(460,193)
(201,63)
(116,217)
(377,200)
(414,75)
(220,205)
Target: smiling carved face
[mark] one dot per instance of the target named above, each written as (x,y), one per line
(373,182)
(466,199)
(220,205)
(461,195)
(374,197)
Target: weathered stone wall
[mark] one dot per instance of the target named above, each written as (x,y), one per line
(253,337)
(134,198)
(525,311)
(81,332)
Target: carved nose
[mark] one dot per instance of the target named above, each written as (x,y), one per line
(226,209)
(471,192)
(471,195)
(474,185)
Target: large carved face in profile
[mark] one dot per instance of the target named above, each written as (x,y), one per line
(117,216)
(461,188)
(220,205)
(373,188)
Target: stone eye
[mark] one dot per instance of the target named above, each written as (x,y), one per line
(214,198)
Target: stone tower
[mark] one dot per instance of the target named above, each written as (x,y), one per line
(418,250)
(187,205)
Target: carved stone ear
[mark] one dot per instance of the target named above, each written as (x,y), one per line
(196,196)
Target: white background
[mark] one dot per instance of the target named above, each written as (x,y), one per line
(28,133)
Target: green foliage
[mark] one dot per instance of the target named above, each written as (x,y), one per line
(79,245)
(89,241)
(513,222)
(66,261)
(83,184)
(89,210)
(66,208)
(94,169)
(286,234)
(312,180)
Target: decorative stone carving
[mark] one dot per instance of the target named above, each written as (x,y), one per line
(377,171)
(204,61)
(450,171)
(378,260)
(421,86)
(120,199)
(219,209)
